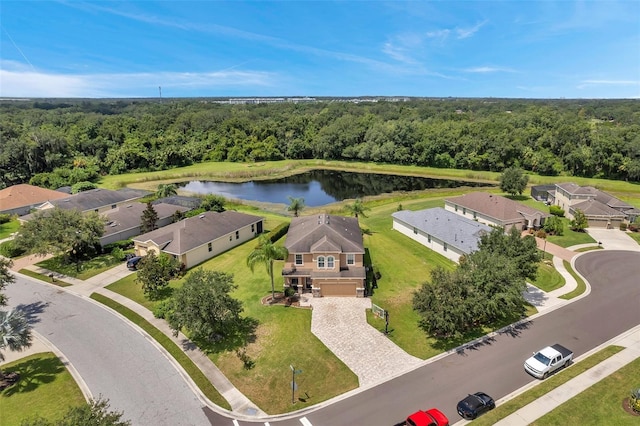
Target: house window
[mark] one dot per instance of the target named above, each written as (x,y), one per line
(428,238)
(210,246)
(237,234)
(320,261)
(113,206)
(299,259)
(445,246)
(415,231)
(464,210)
(330,262)
(474,215)
(253,227)
(351,259)
(456,207)
(230,237)
(294,281)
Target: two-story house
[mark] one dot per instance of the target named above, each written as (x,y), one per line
(326,256)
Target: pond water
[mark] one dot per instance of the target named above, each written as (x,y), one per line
(320,187)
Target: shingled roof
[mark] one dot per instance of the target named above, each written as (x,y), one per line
(324,233)
(495,206)
(97,198)
(446,226)
(24,195)
(129,216)
(188,234)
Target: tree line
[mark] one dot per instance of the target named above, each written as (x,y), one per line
(59,143)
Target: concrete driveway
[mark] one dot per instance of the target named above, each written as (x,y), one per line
(614,239)
(341,324)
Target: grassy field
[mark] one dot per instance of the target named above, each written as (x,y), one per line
(580,288)
(45,389)
(44,278)
(547,386)
(570,238)
(6,229)
(601,404)
(635,236)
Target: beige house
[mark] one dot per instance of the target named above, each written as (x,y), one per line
(495,210)
(199,238)
(601,209)
(326,256)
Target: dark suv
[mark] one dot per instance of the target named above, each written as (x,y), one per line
(132,264)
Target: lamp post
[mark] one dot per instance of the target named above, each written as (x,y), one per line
(293,384)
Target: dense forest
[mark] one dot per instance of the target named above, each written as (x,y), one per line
(53,143)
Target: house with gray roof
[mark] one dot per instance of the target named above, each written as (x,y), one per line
(601,209)
(97,200)
(125,220)
(495,210)
(199,238)
(326,256)
(444,232)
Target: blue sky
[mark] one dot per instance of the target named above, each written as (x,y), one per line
(513,49)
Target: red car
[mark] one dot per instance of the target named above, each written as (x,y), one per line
(432,417)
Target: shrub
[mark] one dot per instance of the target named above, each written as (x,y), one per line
(122,244)
(634,400)
(540,233)
(633,227)
(4,218)
(623,226)
(556,211)
(278,232)
(10,249)
(289,291)
(163,308)
(117,253)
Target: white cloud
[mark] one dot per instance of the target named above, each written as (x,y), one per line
(20,82)
(487,69)
(590,83)
(468,32)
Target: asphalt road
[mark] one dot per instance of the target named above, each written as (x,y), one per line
(114,359)
(125,363)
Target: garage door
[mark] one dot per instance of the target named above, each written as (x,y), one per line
(338,289)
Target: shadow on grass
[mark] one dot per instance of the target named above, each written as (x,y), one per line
(33,373)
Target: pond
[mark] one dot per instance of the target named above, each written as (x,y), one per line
(321,187)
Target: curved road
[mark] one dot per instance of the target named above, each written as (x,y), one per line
(121,364)
(495,367)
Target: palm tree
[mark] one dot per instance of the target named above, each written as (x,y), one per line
(296,205)
(166,190)
(266,253)
(15,333)
(357,208)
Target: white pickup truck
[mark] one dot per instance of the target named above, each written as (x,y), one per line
(548,360)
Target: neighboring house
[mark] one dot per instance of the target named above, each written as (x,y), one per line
(326,256)
(495,210)
(601,209)
(191,203)
(199,238)
(21,199)
(541,192)
(442,231)
(124,221)
(97,200)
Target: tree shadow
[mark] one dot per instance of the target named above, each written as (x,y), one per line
(32,311)
(33,373)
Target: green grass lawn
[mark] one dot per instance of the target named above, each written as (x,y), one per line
(601,404)
(6,229)
(88,268)
(635,236)
(569,237)
(45,389)
(581,287)
(44,278)
(547,386)
(548,278)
